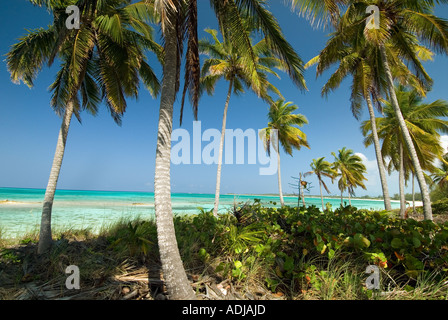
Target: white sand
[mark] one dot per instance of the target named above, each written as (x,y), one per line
(417,203)
(16,203)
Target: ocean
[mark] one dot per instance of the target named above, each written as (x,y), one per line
(20,209)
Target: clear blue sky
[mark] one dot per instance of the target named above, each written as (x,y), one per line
(103,156)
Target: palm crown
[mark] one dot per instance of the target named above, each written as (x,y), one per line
(225,62)
(104,59)
(350,169)
(287,123)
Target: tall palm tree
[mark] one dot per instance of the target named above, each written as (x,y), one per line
(224,62)
(350,170)
(357,58)
(321,169)
(178,19)
(283,126)
(424,122)
(403,24)
(103,60)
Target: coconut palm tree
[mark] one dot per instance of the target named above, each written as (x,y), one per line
(102,61)
(224,62)
(402,24)
(321,169)
(424,122)
(178,19)
(357,58)
(283,126)
(350,170)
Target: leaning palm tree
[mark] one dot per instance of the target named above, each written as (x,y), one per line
(178,19)
(357,58)
(283,127)
(350,170)
(424,121)
(103,60)
(224,62)
(402,24)
(321,169)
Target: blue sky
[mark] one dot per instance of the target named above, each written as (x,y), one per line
(103,156)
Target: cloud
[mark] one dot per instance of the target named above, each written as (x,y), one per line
(444,142)
(372,174)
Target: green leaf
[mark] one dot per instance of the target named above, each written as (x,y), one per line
(331,254)
(220,267)
(238,264)
(396,243)
(417,243)
(289,264)
(360,241)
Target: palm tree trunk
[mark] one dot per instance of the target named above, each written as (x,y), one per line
(427,210)
(342,199)
(176,280)
(401,184)
(379,156)
(349,199)
(282,203)
(45,235)
(221,149)
(302,195)
(413,193)
(321,195)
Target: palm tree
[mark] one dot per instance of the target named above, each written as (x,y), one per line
(224,62)
(103,60)
(356,57)
(322,168)
(283,126)
(351,171)
(424,123)
(403,24)
(178,21)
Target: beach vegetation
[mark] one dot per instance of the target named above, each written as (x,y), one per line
(252,251)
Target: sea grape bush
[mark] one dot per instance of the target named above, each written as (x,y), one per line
(282,239)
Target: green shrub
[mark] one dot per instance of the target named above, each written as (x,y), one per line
(134,238)
(440,207)
(283,239)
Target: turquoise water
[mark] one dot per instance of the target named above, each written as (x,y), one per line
(93,209)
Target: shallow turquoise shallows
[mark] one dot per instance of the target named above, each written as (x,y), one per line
(75,209)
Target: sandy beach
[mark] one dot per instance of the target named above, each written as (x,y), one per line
(11,202)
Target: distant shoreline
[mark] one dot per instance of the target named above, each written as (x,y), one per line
(417,203)
(8,202)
